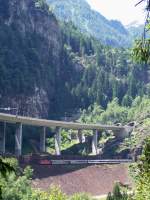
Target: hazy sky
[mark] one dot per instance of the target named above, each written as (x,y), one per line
(123,10)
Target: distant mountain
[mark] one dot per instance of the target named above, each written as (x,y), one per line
(134,24)
(110,32)
(117,25)
(135,30)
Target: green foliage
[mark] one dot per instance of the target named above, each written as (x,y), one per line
(56,194)
(117,194)
(6,167)
(141,50)
(141,174)
(110,75)
(92,114)
(10,62)
(113,114)
(66,141)
(16,187)
(143,180)
(140,109)
(109,196)
(127,101)
(80,197)
(28,172)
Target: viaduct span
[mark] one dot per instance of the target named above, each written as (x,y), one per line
(19,121)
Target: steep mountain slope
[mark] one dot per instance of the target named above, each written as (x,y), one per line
(135,31)
(31,69)
(92,22)
(49,68)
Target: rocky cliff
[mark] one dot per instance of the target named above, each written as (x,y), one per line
(30,65)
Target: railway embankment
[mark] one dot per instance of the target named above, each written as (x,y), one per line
(93,179)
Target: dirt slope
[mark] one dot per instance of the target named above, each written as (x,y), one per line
(95,180)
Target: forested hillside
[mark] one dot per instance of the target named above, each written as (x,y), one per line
(109,32)
(108,72)
(33,71)
(48,68)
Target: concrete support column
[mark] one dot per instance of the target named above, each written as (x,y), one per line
(43,140)
(80,137)
(124,132)
(94,142)
(18,139)
(58,141)
(3,138)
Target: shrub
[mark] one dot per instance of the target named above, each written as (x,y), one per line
(80,197)
(117,194)
(143,174)
(56,194)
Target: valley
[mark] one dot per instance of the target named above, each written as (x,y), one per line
(63,64)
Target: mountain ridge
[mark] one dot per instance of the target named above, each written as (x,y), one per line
(109,32)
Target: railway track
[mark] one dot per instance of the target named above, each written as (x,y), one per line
(78,162)
(70,161)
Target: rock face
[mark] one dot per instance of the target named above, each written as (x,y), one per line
(35,105)
(31,44)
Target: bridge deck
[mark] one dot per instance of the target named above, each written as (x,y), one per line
(52,123)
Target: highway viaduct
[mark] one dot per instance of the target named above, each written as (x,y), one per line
(20,121)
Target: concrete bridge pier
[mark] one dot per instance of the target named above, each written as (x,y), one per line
(58,141)
(124,132)
(18,139)
(81,137)
(43,140)
(2,137)
(94,142)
